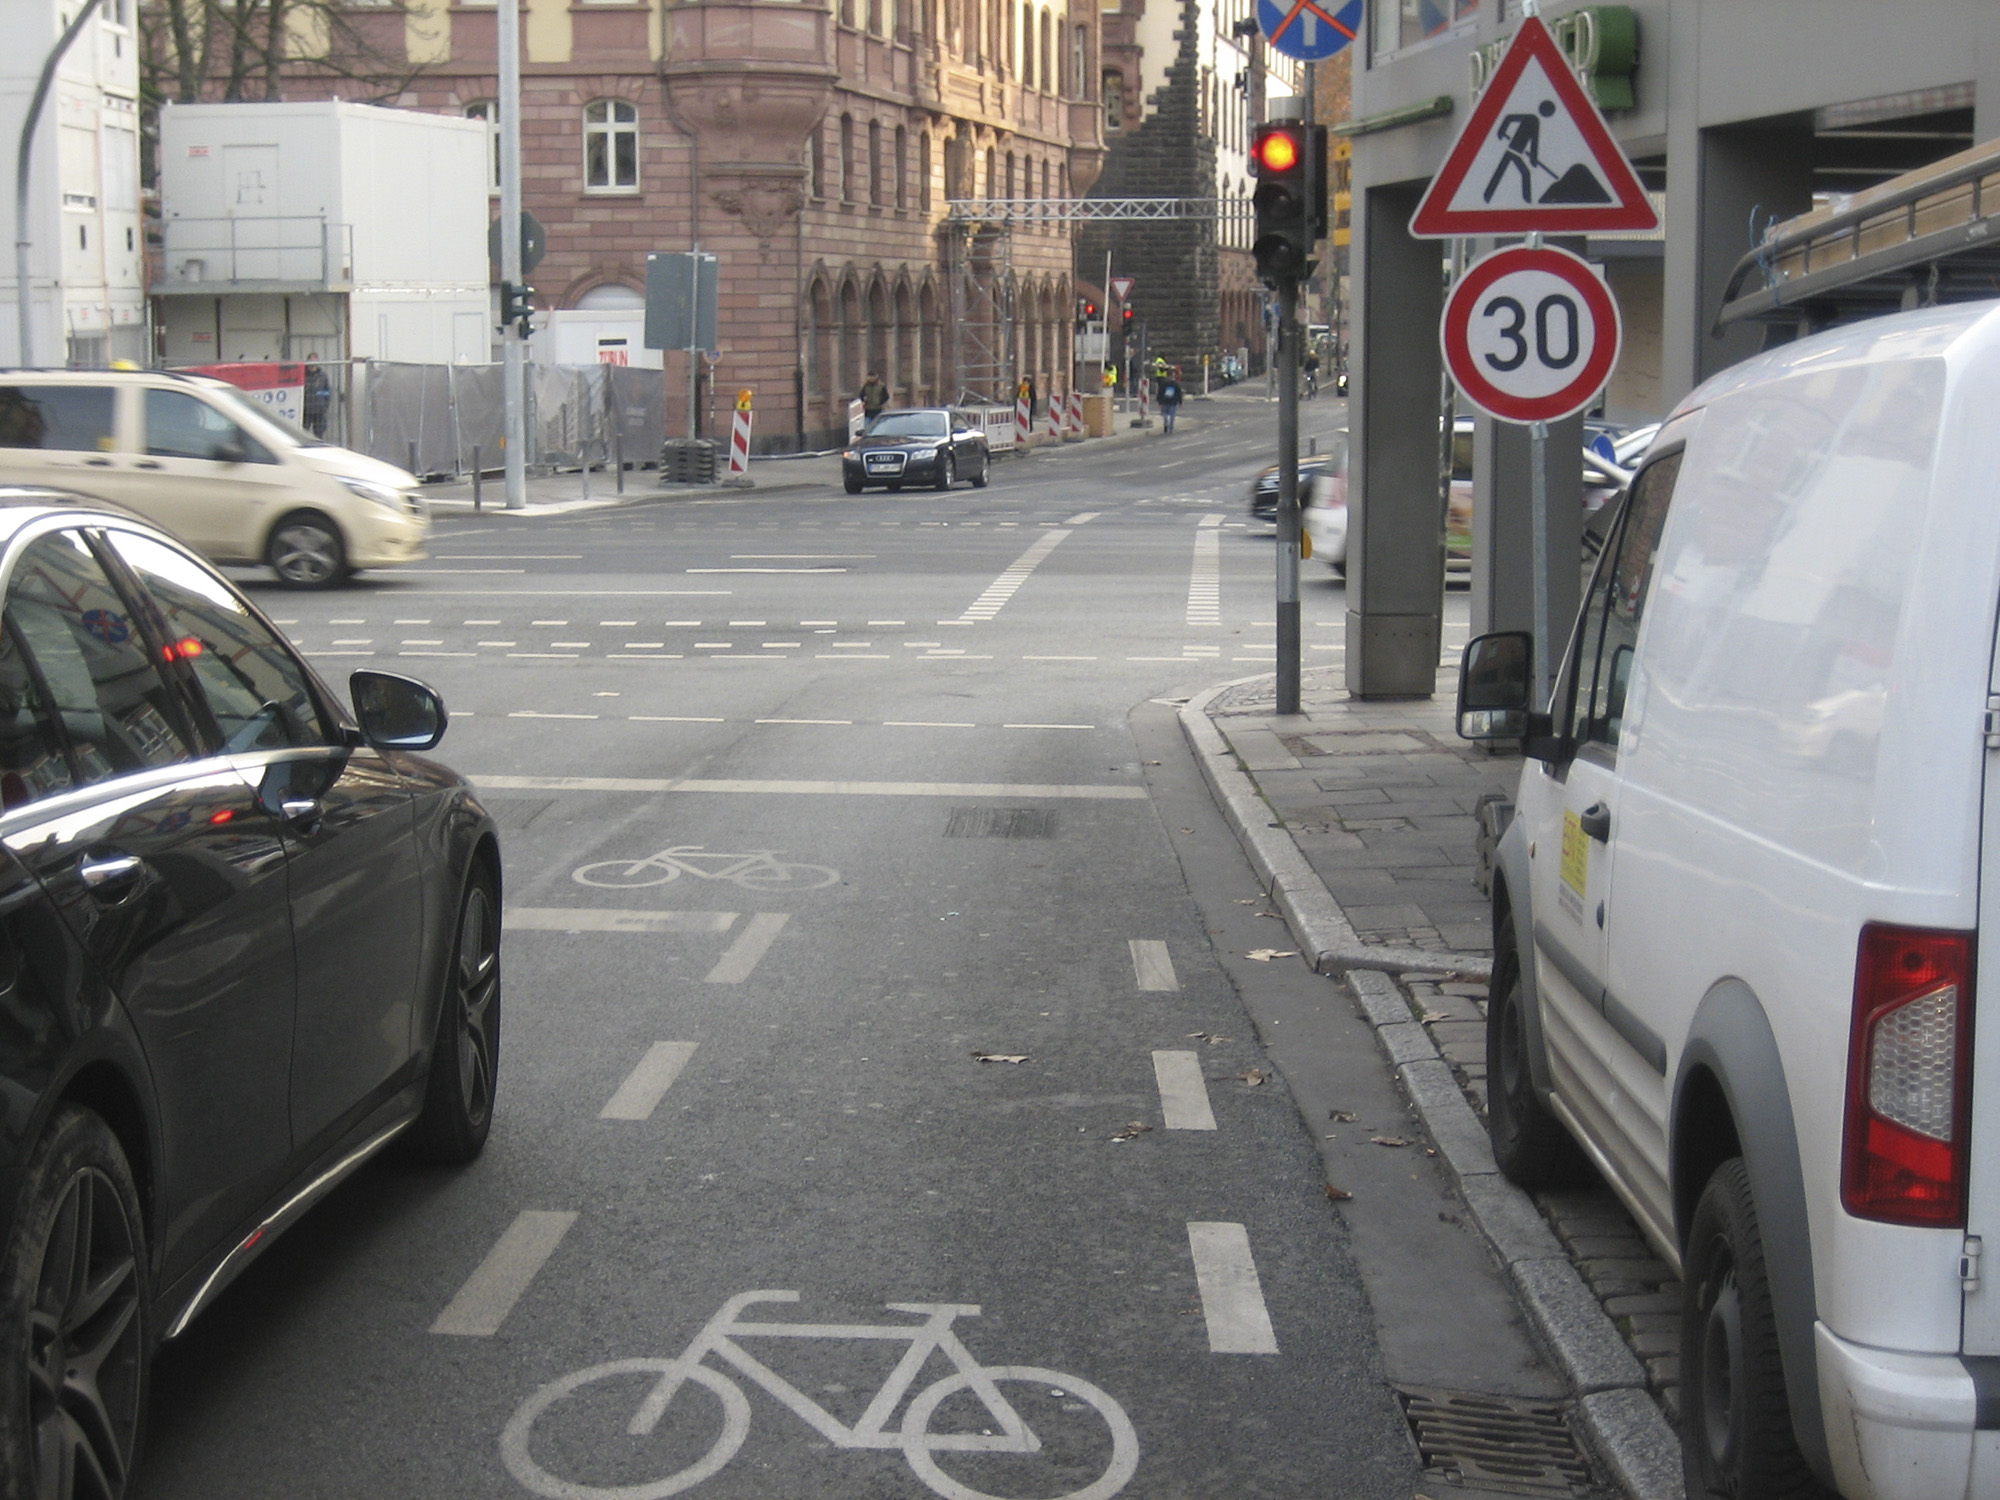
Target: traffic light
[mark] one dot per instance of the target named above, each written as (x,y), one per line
(1290,200)
(1126,317)
(517,304)
(1086,314)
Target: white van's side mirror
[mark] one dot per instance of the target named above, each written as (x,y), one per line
(1494,701)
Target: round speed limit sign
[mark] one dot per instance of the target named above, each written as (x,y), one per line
(1530,335)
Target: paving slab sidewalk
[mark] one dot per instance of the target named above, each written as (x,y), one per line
(1359,818)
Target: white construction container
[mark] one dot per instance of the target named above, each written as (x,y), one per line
(322,231)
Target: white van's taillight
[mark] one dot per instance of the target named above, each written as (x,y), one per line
(1909,1073)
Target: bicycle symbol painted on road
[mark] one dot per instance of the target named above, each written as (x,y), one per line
(757,870)
(1104,1457)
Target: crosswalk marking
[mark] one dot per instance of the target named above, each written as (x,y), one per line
(998,592)
(501,1279)
(1183,1091)
(1232,1298)
(1204,601)
(640,1094)
(1152,967)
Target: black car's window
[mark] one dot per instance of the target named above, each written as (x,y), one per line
(33,763)
(182,426)
(253,687)
(1618,598)
(76,418)
(115,711)
(910,424)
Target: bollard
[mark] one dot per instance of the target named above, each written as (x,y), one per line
(413,455)
(618,450)
(1312,446)
(477,475)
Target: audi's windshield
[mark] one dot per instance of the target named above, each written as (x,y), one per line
(911,424)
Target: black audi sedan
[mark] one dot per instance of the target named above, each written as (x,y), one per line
(917,445)
(248,939)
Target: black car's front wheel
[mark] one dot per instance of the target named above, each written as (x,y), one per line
(853,485)
(465,1059)
(73,1344)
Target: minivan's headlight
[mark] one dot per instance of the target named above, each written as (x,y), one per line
(381,494)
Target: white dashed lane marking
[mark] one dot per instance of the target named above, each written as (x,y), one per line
(1232,1298)
(501,1279)
(751,945)
(1152,968)
(1183,1093)
(640,1094)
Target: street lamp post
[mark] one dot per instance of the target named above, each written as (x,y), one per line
(24,239)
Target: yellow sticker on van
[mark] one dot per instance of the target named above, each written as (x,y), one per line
(1576,853)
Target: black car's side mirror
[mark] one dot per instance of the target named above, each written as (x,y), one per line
(1495,692)
(397,712)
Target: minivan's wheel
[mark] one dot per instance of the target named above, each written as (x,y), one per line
(1529,1144)
(458,1100)
(306,551)
(73,1343)
(985,468)
(1736,1422)
(947,472)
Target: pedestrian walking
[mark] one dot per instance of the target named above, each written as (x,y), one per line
(318,397)
(1170,400)
(873,395)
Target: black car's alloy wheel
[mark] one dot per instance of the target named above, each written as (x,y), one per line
(1736,1419)
(985,467)
(306,551)
(458,1105)
(73,1369)
(947,472)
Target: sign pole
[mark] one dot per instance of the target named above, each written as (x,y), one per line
(1288,496)
(513,353)
(694,333)
(1538,523)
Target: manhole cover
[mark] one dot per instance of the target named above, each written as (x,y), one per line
(1495,1442)
(1001,823)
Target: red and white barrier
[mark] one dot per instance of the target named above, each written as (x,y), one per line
(1023,420)
(1145,399)
(1052,428)
(1076,428)
(739,439)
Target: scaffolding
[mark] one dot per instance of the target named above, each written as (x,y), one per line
(979,268)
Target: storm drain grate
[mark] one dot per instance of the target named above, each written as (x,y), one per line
(1495,1442)
(516,813)
(1001,823)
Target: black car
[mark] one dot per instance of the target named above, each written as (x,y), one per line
(919,445)
(1264,488)
(247,940)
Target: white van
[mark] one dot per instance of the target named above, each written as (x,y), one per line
(222,471)
(1737,913)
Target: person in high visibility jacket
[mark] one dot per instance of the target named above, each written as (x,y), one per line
(1111,377)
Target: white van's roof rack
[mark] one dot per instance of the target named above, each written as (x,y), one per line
(1926,237)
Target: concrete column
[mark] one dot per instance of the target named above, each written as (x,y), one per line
(1395,545)
(1503,537)
(1762,169)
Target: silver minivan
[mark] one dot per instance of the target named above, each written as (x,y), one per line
(1738,910)
(225,473)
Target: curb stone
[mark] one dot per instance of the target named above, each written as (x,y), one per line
(1613,1409)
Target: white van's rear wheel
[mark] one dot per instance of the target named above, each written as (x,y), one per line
(306,551)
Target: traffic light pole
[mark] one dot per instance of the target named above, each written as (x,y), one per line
(1288,496)
(513,353)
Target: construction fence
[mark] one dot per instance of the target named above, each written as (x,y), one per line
(442,421)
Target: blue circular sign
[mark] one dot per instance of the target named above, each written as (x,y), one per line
(108,627)
(1310,30)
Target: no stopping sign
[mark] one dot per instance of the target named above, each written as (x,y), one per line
(1530,335)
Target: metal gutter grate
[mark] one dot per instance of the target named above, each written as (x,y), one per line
(1001,823)
(1495,1442)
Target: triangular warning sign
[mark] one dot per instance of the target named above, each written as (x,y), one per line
(1535,157)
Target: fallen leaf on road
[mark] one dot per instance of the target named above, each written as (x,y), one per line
(1006,1057)
(1337,1194)
(1265,955)
(1388,1140)
(1187,830)
(1136,1127)
(1343,1116)
(1431,1017)
(1248,900)
(1253,1076)
(1207,1036)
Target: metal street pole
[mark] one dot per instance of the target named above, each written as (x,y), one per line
(1288,496)
(24,238)
(513,353)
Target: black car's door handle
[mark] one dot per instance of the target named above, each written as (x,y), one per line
(1596,821)
(303,813)
(111,874)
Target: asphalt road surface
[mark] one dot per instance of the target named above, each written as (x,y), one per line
(809,802)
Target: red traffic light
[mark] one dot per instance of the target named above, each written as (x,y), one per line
(1128,315)
(1277,151)
(1090,309)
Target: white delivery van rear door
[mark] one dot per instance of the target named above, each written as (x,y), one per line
(1980,1265)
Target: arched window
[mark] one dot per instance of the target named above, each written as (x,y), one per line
(992,189)
(489,111)
(924,172)
(1114,100)
(816,163)
(610,146)
(1079,64)
(1009,179)
(1048,56)
(1027,46)
(902,167)
(849,173)
(875,163)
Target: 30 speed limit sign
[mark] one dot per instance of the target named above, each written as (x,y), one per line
(1530,335)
